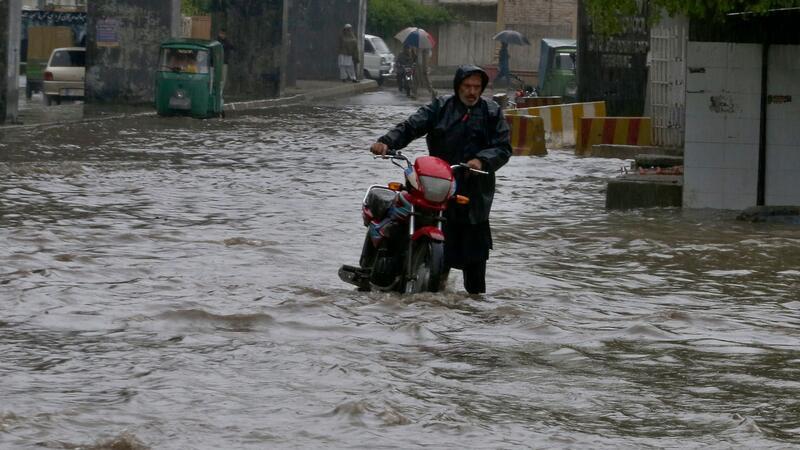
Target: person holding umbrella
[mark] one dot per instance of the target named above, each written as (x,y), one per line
(504,73)
(348,54)
(506,37)
(421,40)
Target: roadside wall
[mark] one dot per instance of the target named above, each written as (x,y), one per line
(314,30)
(471,41)
(722,124)
(9,59)
(123,38)
(742,143)
(256,29)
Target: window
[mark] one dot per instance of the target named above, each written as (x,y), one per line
(184,60)
(68,58)
(380,46)
(368,48)
(565,61)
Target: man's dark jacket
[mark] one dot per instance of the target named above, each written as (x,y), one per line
(457,134)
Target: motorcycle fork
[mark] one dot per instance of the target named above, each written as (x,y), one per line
(411,229)
(410,252)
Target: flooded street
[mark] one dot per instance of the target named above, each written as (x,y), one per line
(172,284)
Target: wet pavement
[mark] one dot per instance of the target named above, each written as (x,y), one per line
(171,283)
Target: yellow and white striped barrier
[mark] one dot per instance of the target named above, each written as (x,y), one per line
(562,121)
(527,135)
(613,130)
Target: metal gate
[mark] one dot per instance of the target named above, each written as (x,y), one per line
(668,81)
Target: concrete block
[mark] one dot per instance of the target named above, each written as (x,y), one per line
(652,160)
(527,135)
(622,151)
(644,191)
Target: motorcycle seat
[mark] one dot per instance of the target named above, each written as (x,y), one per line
(379,201)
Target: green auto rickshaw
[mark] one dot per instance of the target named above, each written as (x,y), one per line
(557,69)
(189,78)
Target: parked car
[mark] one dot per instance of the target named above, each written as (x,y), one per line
(557,69)
(378,59)
(64,75)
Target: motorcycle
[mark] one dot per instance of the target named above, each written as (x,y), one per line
(403,250)
(523,90)
(407,79)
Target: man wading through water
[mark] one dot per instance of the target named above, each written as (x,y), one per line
(462,128)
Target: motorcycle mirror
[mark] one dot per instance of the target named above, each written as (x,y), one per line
(395,186)
(462,200)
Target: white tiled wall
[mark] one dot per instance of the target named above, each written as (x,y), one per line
(721,143)
(783,127)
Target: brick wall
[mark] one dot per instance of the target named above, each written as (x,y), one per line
(538,19)
(559,14)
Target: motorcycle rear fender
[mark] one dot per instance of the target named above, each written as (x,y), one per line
(431,232)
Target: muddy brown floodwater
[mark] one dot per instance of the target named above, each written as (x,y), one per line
(172,284)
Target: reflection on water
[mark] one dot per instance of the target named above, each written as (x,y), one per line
(171,283)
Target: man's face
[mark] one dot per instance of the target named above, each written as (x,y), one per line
(469,91)
(222,34)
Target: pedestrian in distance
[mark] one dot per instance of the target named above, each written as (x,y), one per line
(348,54)
(462,128)
(504,71)
(227,49)
(422,81)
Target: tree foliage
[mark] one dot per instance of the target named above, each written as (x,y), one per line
(606,14)
(196,7)
(386,17)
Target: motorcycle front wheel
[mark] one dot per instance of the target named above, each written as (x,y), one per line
(427,267)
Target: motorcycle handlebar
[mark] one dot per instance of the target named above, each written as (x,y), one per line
(395,154)
(466,166)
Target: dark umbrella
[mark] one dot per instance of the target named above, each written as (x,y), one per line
(511,37)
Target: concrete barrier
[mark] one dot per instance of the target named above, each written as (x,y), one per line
(645,191)
(612,130)
(562,121)
(527,135)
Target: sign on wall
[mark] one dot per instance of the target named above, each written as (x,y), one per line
(108,33)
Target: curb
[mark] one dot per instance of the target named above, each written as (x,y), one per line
(335,91)
(236,107)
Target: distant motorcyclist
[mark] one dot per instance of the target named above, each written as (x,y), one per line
(405,59)
(462,128)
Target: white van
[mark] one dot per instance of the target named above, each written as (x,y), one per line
(378,59)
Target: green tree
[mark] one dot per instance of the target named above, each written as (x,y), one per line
(386,17)
(606,14)
(195,7)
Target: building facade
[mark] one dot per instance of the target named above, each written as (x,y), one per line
(742,142)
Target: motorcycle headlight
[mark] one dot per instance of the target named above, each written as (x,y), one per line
(435,189)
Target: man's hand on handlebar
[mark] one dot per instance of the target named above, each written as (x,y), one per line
(379,148)
(475,163)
